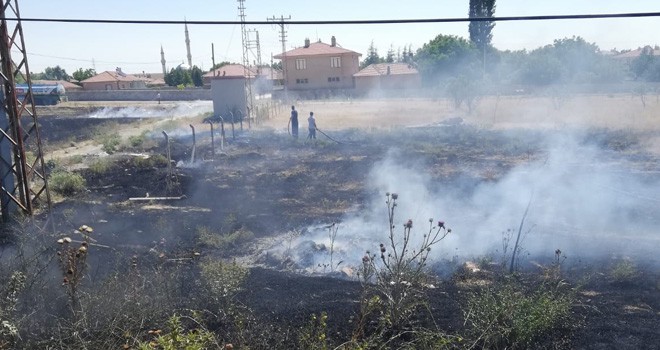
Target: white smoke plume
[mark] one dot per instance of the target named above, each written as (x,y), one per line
(588,202)
(179,110)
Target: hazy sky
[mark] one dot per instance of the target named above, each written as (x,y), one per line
(136,48)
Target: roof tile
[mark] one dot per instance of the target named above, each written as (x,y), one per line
(315,49)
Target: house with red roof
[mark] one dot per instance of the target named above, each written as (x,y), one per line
(387,76)
(319,66)
(116,80)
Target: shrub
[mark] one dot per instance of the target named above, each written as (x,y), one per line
(8,299)
(223,280)
(137,140)
(219,241)
(508,315)
(100,166)
(110,142)
(623,271)
(66,183)
(314,335)
(157,160)
(395,280)
(177,338)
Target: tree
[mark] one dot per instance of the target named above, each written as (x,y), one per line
(178,76)
(196,76)
(220,65)
(407,55)
(641,65)
(372,56)
(55,73)
(390,55)
(447,56)
(568,60)
(81,74)
(481,31)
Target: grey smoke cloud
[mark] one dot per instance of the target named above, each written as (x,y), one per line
(588,202)
(180,109)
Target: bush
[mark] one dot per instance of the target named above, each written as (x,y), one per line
(66,183)
(395,280)
(224,280)
(623,271)
(8,300)
(110,142)
(157,160)
(508,316)
(178,338)
(314,335)
(137,140)
(100,166)
(219,241)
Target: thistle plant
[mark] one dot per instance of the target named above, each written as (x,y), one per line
(397,275)
(73,263)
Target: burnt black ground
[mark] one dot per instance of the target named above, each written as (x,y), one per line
(271,184)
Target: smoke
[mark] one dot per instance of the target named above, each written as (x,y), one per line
(178,110)
(585,201)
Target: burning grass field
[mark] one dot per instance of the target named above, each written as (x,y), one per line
(245,252)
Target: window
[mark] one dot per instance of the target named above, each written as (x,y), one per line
(302,81)
(301,64)
(335,62)
(333,79)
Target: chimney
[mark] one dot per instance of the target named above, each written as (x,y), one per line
(333,41)
(307,42)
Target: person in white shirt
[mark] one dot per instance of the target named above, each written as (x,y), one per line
(312,126)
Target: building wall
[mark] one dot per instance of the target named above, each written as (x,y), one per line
(318,70)
(228,94)
(140,95)
(388,82)
(114,85)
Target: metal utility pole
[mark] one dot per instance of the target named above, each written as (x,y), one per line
(246,60)
(23,183)
(255,44)
(280,22)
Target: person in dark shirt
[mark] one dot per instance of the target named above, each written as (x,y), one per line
(294,122)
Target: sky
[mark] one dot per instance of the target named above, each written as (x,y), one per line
(136,48)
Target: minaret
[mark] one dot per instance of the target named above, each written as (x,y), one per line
(188,46)
(162,60)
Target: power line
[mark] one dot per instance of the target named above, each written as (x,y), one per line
(87,60)
(343,22)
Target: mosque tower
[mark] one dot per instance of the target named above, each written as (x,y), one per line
(188,46)
(162,60)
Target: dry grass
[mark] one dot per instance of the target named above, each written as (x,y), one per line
(622,111)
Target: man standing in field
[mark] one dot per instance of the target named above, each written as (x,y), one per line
(312,126)
(294,122)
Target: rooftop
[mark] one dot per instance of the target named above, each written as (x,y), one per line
(378,69)
(316,49)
